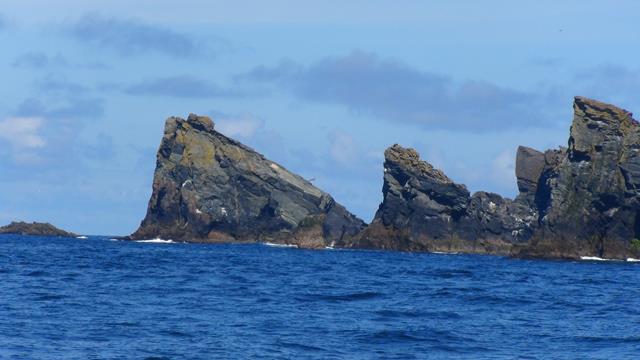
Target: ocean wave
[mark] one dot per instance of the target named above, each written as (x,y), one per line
(595,258)
(280,245)
(81,237)
(157,241)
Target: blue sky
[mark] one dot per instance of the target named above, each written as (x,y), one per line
(321,87)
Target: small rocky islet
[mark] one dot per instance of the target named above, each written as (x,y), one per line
(575,201)
(35,229)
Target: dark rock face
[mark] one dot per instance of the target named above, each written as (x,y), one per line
(529,166)
(423,209)
(34,228)
(583,200)
(210,188)
(589,200)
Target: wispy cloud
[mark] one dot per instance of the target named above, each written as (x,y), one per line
(41,61)
(610,82)
(60,85)
(45,136)
(23,134)
(132,37)
(237,125)
(77,108)
(183,86)
(504,172)
(393,91)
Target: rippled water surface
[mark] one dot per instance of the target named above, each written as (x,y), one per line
(95,298)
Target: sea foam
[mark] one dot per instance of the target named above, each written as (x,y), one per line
(594,258)
(281,245)
(157,241)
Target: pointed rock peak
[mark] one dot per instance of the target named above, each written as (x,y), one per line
(200,122)
(409,160)
(399,153)
(597,110)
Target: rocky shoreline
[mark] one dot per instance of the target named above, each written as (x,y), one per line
(576,201)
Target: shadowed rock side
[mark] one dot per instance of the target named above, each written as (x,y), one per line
(34,228)
(210,188)
(587,197)
(577,201)
(423,209)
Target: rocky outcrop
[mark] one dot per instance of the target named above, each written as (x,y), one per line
(422,209)
(583,200)
(34,228)
(588,198)
(210,188)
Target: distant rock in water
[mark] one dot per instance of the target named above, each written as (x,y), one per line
(34,228)
(583,200)
(210,188)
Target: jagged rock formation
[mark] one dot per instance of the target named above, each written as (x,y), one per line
(210,188)
(583,200)
(34,228)
(423,209)
(588,196)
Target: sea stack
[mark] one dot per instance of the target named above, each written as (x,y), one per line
(423,209)
(210,188)
(588,194)
(575,201)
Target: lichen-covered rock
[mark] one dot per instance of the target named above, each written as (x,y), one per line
(588,200)
(35,229)
(422,209)
(210,188)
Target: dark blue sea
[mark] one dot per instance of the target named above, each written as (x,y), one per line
(102,299)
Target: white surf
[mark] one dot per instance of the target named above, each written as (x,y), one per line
(157,241)
(281,245)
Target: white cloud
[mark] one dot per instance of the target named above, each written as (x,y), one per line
(22,132)
(238,126)
(504,172)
